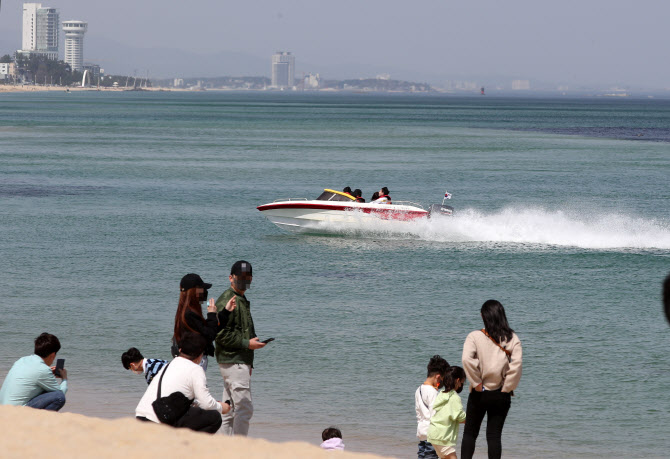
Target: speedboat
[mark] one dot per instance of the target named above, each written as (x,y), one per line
(335,209)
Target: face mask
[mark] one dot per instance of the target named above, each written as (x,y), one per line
(203,297)
(458,391)
(138,372)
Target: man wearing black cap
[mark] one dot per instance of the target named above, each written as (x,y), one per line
(235,346)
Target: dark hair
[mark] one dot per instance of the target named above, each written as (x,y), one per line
(188,301)
(192,345)
(375,195)
(346,190)
(358,193)
(437,366)
(132,355)
(331,432)
(385,190)
(451,375)
(495,321)
(666,297)
(46,344)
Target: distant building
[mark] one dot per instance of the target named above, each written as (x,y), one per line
(455,85)
(178,83)
(312,81)
(94,70)
(6,70)
(74,43)
(283,70)
(384,76)
(40,30)
(520,85)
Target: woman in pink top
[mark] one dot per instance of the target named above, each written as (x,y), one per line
(492,364)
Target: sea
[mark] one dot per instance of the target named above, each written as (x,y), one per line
(562,213)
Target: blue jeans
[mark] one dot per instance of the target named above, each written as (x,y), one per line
(426,450)
(52,401)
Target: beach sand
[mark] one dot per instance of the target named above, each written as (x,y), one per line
(27,432)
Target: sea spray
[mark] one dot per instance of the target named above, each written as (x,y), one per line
(586,228)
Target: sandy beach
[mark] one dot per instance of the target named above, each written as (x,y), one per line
(27,432)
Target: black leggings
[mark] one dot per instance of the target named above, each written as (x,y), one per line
(495,405)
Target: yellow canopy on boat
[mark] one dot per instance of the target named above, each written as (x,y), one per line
(341,193)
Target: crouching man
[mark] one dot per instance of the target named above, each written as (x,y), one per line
(185,375)
(31,380)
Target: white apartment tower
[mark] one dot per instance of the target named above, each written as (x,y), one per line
(283,70)
(74,43)
(40,30)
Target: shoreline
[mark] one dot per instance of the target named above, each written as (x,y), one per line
(31,433)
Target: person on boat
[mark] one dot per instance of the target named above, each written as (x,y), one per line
(384,197)
(358,195)
(347,190)
(375,196)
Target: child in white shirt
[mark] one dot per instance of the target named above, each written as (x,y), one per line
(423,404)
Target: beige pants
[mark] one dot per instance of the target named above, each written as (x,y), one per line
(237,389)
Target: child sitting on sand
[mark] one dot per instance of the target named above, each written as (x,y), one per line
(443,430)
(423,403)
(332,439)
(134,361)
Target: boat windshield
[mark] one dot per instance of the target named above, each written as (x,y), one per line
(332,195)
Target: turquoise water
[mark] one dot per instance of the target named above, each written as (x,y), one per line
(106,200)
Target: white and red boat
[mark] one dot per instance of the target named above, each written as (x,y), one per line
(340,210)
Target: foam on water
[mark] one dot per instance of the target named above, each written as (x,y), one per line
(586,229)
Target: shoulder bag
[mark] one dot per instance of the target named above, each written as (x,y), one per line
(171,408)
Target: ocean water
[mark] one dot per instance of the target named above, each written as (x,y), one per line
(563,215)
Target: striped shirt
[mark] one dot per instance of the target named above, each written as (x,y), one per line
(152,367)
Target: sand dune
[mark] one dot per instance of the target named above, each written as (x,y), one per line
(27,432)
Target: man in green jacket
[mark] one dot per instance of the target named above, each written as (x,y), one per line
(235,346)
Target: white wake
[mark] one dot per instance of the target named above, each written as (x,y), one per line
(583,229)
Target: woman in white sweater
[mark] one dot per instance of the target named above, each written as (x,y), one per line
(492,364)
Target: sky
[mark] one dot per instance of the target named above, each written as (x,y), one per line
(569,42)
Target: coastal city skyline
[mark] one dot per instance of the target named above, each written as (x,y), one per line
(518,46)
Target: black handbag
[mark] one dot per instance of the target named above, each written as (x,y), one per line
(169,410)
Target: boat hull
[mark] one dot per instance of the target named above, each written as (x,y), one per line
(324,216)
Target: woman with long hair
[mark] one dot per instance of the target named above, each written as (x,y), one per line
(189,318)
(492,363)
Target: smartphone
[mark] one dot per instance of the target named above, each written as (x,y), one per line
(265,341)
(60,364)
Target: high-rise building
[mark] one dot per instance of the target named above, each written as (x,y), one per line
(283,70)
(74,43)
(40,30)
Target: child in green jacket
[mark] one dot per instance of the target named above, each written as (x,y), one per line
(448,408)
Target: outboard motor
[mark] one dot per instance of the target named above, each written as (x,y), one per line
(440,209)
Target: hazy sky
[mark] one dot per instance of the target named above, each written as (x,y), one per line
(569,41)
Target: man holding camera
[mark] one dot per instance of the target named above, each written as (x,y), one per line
(32,380)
